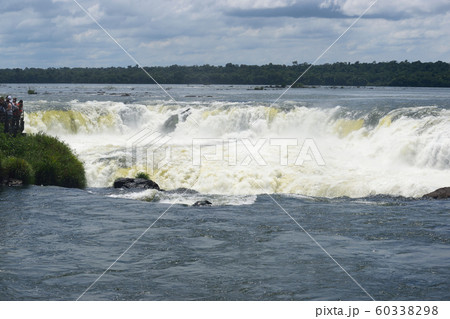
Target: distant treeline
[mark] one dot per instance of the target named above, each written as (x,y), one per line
(392,73)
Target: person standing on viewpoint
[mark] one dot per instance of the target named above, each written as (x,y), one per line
(2,109)
(9,115)
(15,118)
(21,123)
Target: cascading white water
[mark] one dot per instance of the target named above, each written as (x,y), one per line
(405,151)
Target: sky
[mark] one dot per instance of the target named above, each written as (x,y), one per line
(58,33)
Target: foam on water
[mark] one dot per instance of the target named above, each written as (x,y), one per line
(152,195)
(405,151)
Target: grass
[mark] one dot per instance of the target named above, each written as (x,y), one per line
(18,168)
(142,175)
(48,160)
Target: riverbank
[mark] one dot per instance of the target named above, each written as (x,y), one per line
(39,159)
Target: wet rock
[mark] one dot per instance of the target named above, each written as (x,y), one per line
(202,203)
(135,183)
(171,123)
(182,190)
(12,182)
(440,193)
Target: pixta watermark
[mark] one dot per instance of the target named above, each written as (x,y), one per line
(152,150)
(260,152)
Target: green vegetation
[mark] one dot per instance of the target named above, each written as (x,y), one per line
(392,73)
(40,159)
(142,175)
(13,167)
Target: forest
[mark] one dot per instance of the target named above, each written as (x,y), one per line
(394,73)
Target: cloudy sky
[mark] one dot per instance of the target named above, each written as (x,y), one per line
(56,33)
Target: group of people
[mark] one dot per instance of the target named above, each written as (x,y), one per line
(11,115)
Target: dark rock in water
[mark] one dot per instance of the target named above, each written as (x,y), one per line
(185,114)
(202,203)
(182,190)
(171,123)
(441,193)
(135,183)
(12,182)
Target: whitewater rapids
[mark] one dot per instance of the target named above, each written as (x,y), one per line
(397,152)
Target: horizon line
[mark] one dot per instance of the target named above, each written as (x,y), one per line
(293,63)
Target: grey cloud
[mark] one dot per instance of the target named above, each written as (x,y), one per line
(309,10)
(339,10)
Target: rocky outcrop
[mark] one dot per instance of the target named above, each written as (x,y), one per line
(202,203)
(171,123)
(441,193)
(135,183)
(182,190)
(11,182)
